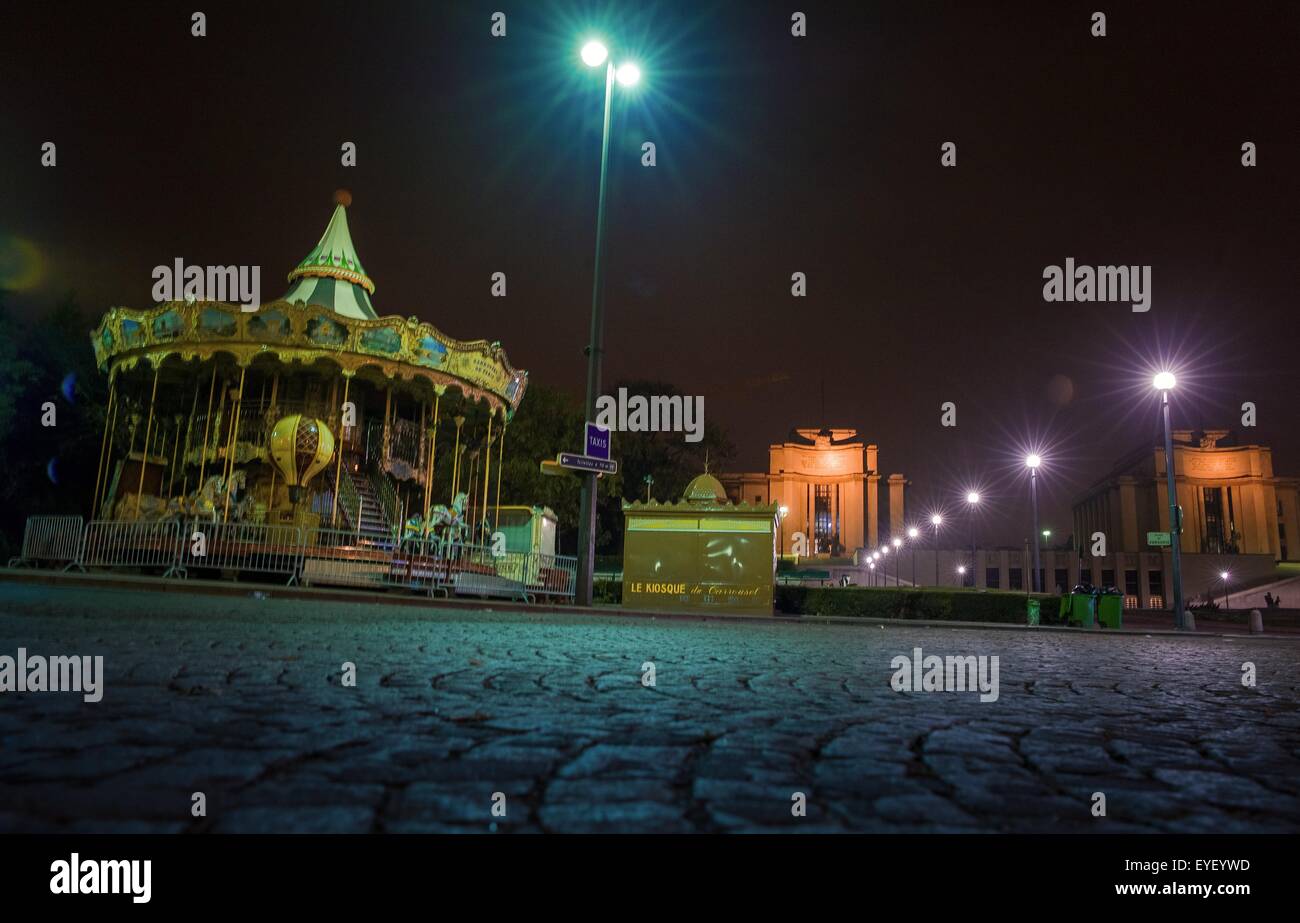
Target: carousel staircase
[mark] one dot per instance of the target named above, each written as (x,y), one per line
(374,525)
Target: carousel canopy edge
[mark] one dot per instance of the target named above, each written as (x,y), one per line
(301,331)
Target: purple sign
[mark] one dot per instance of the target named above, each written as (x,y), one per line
(597,442)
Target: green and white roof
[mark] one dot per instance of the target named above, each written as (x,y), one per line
(331,275)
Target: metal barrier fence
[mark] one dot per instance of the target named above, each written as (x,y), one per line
(337,558)
(112,543)
(322,556)
(251,547)
(554,575)
(53,539)
(473,570)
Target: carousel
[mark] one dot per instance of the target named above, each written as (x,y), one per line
(310,411)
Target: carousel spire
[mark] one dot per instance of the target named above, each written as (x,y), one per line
(331,275)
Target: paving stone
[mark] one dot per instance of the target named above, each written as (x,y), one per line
(241,699)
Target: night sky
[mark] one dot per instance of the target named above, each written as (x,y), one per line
(775,154)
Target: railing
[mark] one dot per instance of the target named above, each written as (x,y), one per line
(349,500)
(312,556)
(399,446)
(334,557)
(114,543)
(56,539)
(387,496)
(250,547)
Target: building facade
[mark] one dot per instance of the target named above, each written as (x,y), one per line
(1232,502)
(826,483)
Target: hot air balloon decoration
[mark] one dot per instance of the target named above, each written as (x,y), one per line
(300,447)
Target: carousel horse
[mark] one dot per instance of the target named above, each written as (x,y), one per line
(140,508)
(449,523)
(209,501)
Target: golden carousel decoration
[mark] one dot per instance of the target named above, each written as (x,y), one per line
(310,410)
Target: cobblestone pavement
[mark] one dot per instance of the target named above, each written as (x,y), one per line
(241,699)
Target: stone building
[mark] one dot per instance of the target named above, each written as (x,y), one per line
(1232,502)
(827,482)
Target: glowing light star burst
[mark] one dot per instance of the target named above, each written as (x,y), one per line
(594,54)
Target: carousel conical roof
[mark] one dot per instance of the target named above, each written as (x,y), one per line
(332,275)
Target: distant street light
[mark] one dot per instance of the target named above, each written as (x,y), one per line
(783,512)
(595,54)
(1033,461)
(972,501)
(936,520)
(1224,577)
(1164,383)
(912,535)
(898,543)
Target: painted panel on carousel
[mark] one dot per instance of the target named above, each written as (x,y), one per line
(270,325)
(326,332)
(382,340)
(216,322)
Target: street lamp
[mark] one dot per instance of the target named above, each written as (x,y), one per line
(912,535)
(595,54)
(898,543)
(648,480)
(972,500)
(1164,383)
(936,520)
(1033,461)
(1224,577)
(780,523)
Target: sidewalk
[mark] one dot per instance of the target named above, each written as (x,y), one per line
(1144,624)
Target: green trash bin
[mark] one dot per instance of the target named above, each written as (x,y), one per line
(1078,609)
(1032,609)
(1110,609)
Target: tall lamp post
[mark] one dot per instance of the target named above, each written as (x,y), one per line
(1224,575)
(1033,461)
(898,543)
(595,54)
(972,501)
(780,524)
(936,520)
(912,535)
(1164,383)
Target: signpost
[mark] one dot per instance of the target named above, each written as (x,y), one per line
(586,463)
(1158,539)
(597,441)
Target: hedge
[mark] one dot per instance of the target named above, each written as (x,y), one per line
(953,605)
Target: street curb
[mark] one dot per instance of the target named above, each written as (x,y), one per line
(65,579)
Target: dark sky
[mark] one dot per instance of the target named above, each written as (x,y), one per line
(775,154)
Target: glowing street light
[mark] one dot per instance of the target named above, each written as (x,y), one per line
(912,534)
(897,543)
(1223,575)
(594,54)
(1164,383)
(936,520)
(627,74)
(972,501)
(1032,461)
